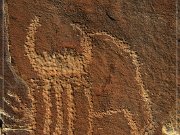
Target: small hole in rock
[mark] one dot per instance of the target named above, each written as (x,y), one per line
(1,123)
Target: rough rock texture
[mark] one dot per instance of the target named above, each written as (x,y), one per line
(89,67)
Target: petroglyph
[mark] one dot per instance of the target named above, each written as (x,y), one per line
(144,93)
(47,104)
(131,122)
(70,107)
(59,116)
(56,71)
(107,113)
(53,70)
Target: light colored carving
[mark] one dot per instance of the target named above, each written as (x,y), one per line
(107,113)
(144,93)
(56,85)
(59,65)
(70,107)
(51,69)
(47,104)
(131,122)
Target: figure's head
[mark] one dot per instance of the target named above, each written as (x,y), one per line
(64,62)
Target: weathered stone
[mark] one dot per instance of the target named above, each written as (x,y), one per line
(86,67)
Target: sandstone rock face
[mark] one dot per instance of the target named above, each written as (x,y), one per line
(88,67)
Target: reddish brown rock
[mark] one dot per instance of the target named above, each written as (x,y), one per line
(88,67)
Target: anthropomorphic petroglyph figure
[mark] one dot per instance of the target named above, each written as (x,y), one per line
(57,72)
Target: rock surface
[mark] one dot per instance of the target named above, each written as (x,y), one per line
(88,67)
